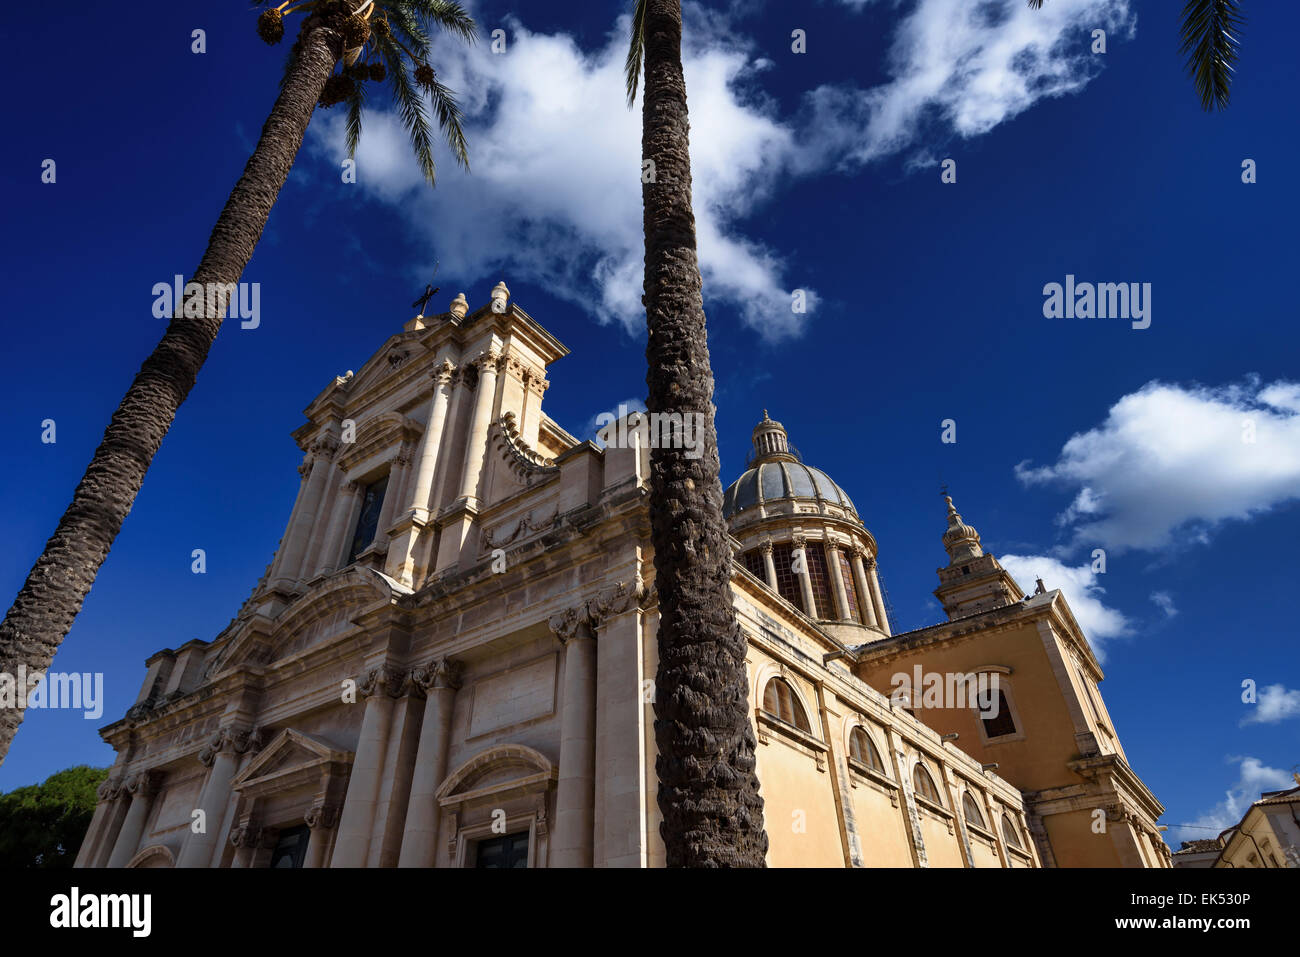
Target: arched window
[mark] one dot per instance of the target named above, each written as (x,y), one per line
(923,784)
(863,750)
(1011,833)
(971,809)
(780,702)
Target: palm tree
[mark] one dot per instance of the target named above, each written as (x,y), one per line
(708,789)
(1210,37)
(372,41)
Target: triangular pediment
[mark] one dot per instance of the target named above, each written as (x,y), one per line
(292,758)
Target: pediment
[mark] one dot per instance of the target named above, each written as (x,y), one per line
(507,768)
(318,614)
(291,759)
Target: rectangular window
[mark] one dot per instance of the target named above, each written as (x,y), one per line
(850,587)
(372,502)
(787,583)
(291,847)
(754,564)
(819,577)
(1001,724)
(509,850)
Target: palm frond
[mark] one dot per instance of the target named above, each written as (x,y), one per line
(408,28)
(636,51)
(1035,4)
(356,106)
(410,104)
(1210,35)
(449,120)
(448,15)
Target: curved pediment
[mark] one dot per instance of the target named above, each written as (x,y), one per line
(325,610)
(506,767)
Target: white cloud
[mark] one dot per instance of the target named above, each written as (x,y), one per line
(555,193)
(1276,703)
(1171,463)
(555,199)
(970,66)
(1082,590)
(1165,602)
(1255,777)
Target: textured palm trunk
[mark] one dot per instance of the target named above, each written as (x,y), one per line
(708,789)
(54,591)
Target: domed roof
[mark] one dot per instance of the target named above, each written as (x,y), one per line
(777,474)
(772,481)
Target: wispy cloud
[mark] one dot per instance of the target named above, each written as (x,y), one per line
(1165,602)
(1276,703)
(1254,777)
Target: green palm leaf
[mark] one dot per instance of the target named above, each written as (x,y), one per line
(636,51)
(1210,33)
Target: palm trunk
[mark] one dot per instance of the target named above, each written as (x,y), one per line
(54,591)
(708,789)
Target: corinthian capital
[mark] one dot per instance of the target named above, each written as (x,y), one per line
(144,783)
(572,623)
(385,680)
(443,373)
(440,673)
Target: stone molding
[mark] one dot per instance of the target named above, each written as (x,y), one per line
(322,816)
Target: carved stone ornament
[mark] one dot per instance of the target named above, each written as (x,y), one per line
(440,673)
(321,815)
(384,680)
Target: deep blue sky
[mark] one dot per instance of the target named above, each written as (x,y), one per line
(930,307)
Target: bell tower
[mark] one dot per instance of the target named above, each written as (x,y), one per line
(973,581)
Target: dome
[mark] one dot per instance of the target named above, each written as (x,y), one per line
(778,475)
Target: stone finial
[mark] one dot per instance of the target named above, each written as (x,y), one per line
(500,296)
(459,306)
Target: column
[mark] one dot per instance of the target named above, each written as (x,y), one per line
(575,799)
(399,767)
(866,601)
(476,447)
(769,564)
(352,845)
(142,787)
(416,502)
(295,540)
(222,756)
(420,843)
(295,516)
(331,551)
(837,582)
(430,447)
(104,826)
(617,616)
(805,580)
(877,599)
(321,818)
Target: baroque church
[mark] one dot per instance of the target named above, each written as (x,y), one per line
(449,661)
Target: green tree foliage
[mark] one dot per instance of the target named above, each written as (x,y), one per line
(42,825)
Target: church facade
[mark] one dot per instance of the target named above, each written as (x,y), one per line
(450,661)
